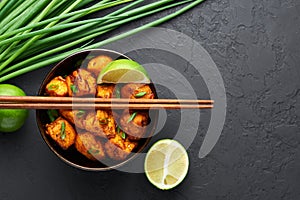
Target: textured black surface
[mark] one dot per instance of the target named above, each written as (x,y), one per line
(256,46)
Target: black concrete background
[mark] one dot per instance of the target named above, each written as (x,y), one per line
(255,44)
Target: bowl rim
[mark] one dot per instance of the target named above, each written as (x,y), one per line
(43,134)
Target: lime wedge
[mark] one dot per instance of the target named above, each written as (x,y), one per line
(166,164)
(123,71)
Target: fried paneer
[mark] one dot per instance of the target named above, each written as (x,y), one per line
(105,91)
(89,146)
(75,117)
(136,91)
(62,132)
(92,124)
(118,148)
(98,63)
(107,123)
(80,83)
(134,124)
(57,87)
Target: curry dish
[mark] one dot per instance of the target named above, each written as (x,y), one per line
(97,134)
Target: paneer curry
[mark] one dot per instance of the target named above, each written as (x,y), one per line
(97,134)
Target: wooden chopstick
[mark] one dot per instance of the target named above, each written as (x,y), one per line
(47,99)
(67,106)
(38,102)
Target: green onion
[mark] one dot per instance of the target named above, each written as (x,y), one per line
(35,34)
(74,88)
(118,92)
(132,117)
(118,129)
(140,94)
(63,131)
(80,113)
(123,135)
(52,114)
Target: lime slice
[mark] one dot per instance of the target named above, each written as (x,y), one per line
(123,71)
(166,164)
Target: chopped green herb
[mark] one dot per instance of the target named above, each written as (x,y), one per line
(93,151)
(103,121)
(140,94)
(123,135)
(80,113)
(52,114)
(53,87)
(74,88)
(132,117)
(118,92)
(118,129)
(63,131)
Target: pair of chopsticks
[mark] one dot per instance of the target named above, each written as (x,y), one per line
(42,102)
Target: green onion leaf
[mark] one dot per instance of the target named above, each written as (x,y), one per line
(80,113)
(132,117)
(140,94)
(118,92)
(118,129)
(74,89)
(52,114)
(63,131)
(123,135)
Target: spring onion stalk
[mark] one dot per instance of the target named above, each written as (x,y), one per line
(32,40)
(8,7)
(36,37)
(90,35)
(85,24)
(14,14)
(25,55)
(8,49)
(44,22)
(50,40)
(3,3)
(24,47)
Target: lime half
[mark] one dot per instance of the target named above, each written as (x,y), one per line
(166,164)
(123,71)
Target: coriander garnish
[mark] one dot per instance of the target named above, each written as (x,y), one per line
(132,117)
(63,131)
(140,94)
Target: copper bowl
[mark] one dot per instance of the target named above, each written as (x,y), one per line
(72,156)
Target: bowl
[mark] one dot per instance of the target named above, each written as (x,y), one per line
(71,156)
